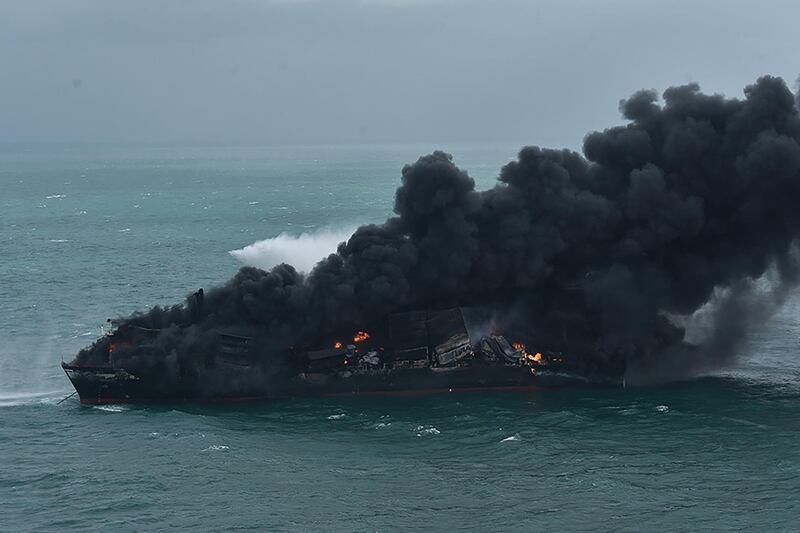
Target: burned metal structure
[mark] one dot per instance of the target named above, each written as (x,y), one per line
(422,352)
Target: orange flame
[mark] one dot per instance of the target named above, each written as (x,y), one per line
(361,336)
(115,345)
(537,357)
(338,345)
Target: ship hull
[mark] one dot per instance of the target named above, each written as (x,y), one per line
(105,385)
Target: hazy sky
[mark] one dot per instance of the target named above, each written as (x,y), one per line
(341,71)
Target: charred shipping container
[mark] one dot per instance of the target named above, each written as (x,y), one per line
(448,336)
(438,337)
(428,351)
(321,360)
(408,333)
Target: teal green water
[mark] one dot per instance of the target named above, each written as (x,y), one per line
(91,232)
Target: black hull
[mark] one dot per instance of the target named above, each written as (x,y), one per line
(105,385)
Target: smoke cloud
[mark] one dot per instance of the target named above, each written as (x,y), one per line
(687,204)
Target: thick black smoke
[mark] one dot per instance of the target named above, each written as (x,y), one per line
(587,254)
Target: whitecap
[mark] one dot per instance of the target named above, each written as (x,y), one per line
(110,408)
(59,240)
(423,431)
(56,196)
(124,230)
(662,408)
(337,416)
(381,425)
(216,448)
(513,438)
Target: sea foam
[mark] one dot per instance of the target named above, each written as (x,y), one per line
(424,431)
(110,408)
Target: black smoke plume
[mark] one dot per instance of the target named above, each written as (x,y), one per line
(693,201)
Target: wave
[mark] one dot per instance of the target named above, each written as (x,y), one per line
(424,431)
(111,408)
(303,251)
(216,448)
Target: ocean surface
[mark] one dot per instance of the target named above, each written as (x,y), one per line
(90,232)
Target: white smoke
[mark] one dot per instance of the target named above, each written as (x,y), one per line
(301,251)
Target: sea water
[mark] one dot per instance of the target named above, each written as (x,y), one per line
(91,232)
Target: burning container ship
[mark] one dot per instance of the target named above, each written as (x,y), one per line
(424,352)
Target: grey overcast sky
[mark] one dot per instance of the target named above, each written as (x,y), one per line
(244,71)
